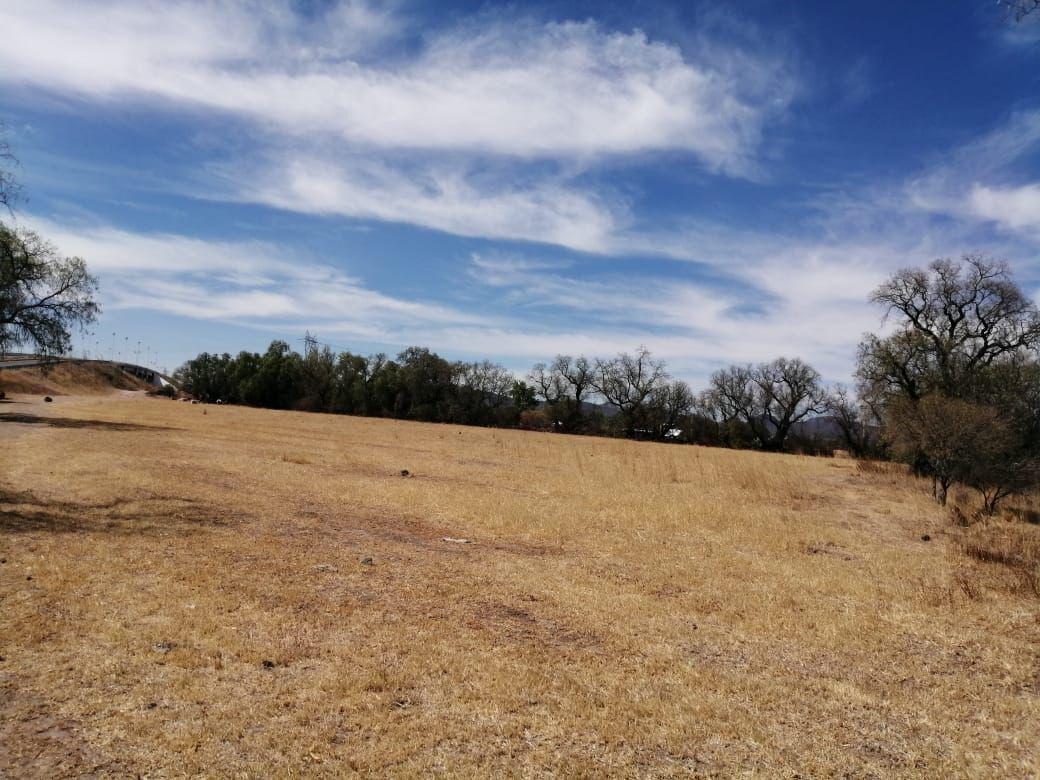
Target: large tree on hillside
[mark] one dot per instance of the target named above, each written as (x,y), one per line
(957,384)
(43,295)
(954,321)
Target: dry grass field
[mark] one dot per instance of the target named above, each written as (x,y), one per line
(83,378)
(228,592)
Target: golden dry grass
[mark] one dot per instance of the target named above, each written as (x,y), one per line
(199,605)
(79,378)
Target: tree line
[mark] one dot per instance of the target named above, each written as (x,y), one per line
(953,389)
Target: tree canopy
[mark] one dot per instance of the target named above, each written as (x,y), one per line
(43,295)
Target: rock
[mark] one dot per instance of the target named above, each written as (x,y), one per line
(455,540)
(405,473)
(268,664)
(152,705)
(925,538)
(162,647)
(28,578)
(367,562)
(47,399)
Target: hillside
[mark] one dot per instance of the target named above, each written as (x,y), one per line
(87,378)
(202,589)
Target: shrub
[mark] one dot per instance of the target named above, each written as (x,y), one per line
(535,420)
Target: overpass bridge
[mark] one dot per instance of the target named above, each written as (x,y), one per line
(149,375)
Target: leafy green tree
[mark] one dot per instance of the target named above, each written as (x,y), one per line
(208,377)
(43,295)
(524,396)
(426,385)
(277,383)
(317,377)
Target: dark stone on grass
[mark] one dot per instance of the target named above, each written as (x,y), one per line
(925,538)
(367,561)
(268,664)
(405,473)
(47,399)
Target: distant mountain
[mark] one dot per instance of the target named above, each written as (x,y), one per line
(822,428)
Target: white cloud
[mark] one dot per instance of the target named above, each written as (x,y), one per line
(979,181)
(1015,207)
(245,282)
(510,88)
(441,197)
(479,128)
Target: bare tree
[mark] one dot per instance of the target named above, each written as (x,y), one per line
(901,364)
(42,294)
(548,384)
(769,398)
(627,382)
(669,405)
(577,375)
(955,318)
(730,397)
(853,418)
(489,382)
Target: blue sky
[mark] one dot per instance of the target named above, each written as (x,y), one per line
(720,182)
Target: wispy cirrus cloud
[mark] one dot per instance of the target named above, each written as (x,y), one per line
(445,196)
(481,129)
(249,283)
(983,180)
(516,87)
